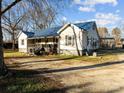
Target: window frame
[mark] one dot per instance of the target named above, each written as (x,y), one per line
(69,40)
(22,42)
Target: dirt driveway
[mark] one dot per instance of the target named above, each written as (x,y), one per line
(81,77)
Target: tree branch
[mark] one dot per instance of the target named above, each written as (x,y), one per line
(7,30)
(10,6)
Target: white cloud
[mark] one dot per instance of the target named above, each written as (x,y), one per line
(64,18)
(86,9)
(79,21)
(117,11)
(89,5)
(95,2)
(77,1)
(107,18)
(102,22)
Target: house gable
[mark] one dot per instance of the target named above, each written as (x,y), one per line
(63,28)
(71,39)
(92,32)
(22,42)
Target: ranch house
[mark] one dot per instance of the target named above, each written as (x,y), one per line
(71,39)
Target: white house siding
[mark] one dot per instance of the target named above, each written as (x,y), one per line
(84,40)
(92,34)
(22,48)
(68,49)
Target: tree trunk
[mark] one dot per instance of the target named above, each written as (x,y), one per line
(3,69)
(76,42)
(13,41)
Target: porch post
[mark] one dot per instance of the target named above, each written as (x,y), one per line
(58,45)
(46,44)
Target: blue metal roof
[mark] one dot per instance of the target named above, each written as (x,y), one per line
(86,25)
(47,32)
(29,34)
(53,31)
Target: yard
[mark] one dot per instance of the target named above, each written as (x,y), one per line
(64,74)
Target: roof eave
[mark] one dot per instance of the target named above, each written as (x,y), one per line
(63,28)
(19,34)
(43,37)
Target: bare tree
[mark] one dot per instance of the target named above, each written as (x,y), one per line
(103,32)
(3,69)
(116,32)
(10,23)
(3,10)
(22,17)
(37,9)
(45,15)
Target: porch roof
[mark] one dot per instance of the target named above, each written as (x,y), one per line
(47,32)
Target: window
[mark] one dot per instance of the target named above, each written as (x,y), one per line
(22,42)
(69,40)
(94,27)
(31,50)
(94,44)
(39,40)
(73,40)
(66,40)
(87,40)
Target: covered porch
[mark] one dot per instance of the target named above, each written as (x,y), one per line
(48,45)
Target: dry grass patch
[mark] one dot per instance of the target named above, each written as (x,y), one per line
(98,59)
(14,54)
(27,81)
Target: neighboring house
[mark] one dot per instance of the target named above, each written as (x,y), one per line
(107,43)
(111,42)
(68,39)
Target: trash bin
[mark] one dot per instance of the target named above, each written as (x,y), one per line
(95,54)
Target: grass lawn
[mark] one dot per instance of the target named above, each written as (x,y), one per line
(13,54)
(27,81)
(98,59)
(24,81)
(106,56)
